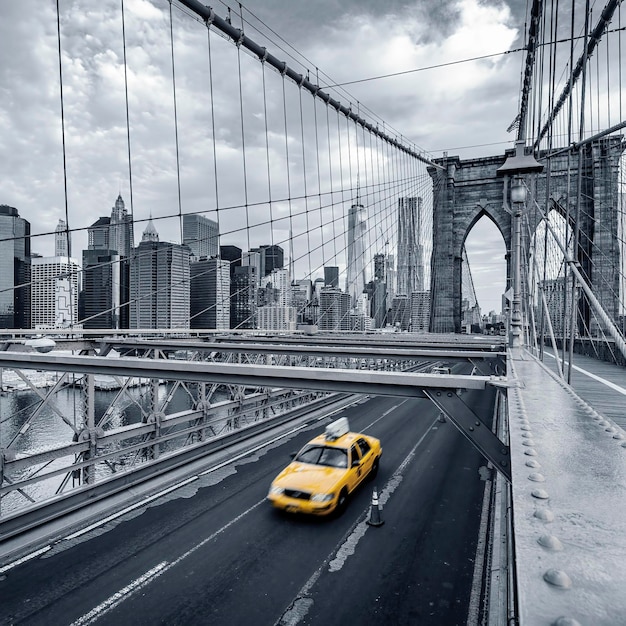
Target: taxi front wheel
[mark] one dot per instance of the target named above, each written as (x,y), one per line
(342,502)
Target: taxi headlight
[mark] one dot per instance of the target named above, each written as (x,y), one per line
(321,497)
(276,491)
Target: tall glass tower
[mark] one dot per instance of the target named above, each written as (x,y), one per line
(355,276)
(410,269)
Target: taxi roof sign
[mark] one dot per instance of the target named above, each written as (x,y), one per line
(336,429)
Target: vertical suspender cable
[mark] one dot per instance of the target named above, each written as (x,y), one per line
(67,218)
(180,208)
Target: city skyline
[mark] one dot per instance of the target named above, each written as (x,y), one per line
(432,109)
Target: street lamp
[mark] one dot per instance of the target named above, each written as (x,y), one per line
(516,166)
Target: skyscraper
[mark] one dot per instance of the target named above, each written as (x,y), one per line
(201,235)
(61,239)
(121,232)
(355,277)
(270,259)
(410,254)
(243,297)
(334,309)
(101,295)
(15,257)
(159,283)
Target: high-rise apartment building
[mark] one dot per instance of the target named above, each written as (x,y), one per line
(355,275)
(201,235)
(276,317)
(159,283)
(54,292)
(15,258)
(210,294)
(410,268)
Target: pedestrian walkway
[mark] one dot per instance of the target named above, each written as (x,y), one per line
(569,485)
(600,384)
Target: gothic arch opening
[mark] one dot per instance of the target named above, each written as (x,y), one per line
(485,278)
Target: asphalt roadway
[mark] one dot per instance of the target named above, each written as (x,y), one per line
(215,552)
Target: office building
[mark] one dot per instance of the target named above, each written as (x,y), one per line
(201,235)
(98,234)
(15,258)
(210,294)
(159,283)
(331,276)
(102,289)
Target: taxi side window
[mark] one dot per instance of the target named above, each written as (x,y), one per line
(363,446)
(355,457)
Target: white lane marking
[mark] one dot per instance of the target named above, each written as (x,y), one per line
(28,557)
(604,381)
(120,596)
(303,602)
(154,573)
(349,546)
(393,408)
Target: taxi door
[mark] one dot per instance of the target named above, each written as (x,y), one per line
(355,470)
(367,456)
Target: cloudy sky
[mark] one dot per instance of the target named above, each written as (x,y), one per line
(461,108)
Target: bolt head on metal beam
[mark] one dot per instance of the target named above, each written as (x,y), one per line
(519,163)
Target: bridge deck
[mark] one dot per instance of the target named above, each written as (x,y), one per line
(569,491)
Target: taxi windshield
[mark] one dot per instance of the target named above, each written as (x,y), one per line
(324,455)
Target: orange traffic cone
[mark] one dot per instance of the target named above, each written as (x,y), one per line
(374,519)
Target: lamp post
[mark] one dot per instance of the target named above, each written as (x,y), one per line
(516,166)
(518,200)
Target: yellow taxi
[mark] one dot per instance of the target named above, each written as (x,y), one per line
(326,471)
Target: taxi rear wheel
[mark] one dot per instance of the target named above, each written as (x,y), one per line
(373,471)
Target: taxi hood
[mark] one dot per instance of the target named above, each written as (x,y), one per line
(311,478)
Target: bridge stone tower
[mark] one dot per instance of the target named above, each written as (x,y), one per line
(466,190)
